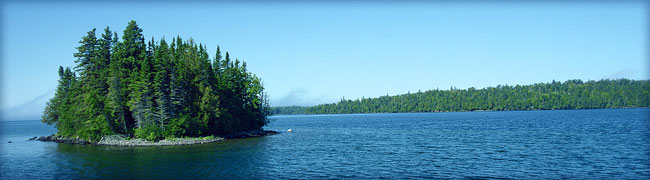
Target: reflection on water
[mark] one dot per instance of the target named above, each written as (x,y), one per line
(239,158)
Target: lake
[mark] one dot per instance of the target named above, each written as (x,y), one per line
(582,144)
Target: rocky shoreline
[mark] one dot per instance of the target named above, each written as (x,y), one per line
(60,139)
(121,140)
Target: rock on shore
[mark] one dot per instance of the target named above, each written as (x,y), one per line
(117,140)
(59,139)
(121,140)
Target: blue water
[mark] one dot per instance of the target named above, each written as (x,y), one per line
(579,144)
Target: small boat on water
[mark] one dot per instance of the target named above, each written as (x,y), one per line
(289,130)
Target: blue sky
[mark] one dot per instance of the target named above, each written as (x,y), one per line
(313,53)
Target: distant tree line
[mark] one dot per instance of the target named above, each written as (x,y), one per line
(289,110)
(153,90)
(572,94)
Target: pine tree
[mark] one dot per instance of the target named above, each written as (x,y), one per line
(162,82)
(90,102)
(105,45)
(54,106)
(85,53)
(133,53)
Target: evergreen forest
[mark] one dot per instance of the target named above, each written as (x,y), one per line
(153,90)
(571,94)
(289,110)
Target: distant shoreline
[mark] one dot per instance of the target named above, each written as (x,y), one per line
(570,94)
(459,111)
(123,141)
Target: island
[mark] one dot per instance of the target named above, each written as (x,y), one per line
(130,90)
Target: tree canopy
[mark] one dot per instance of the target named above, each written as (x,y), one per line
(571,94)
(153,90)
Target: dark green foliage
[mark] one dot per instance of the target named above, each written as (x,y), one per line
(149,132)
(572,94)
(153,90)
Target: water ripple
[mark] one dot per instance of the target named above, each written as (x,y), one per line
(575,144)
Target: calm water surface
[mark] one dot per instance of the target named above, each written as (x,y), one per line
(592,144)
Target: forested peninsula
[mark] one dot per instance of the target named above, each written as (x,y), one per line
(153,90)
(571,94)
